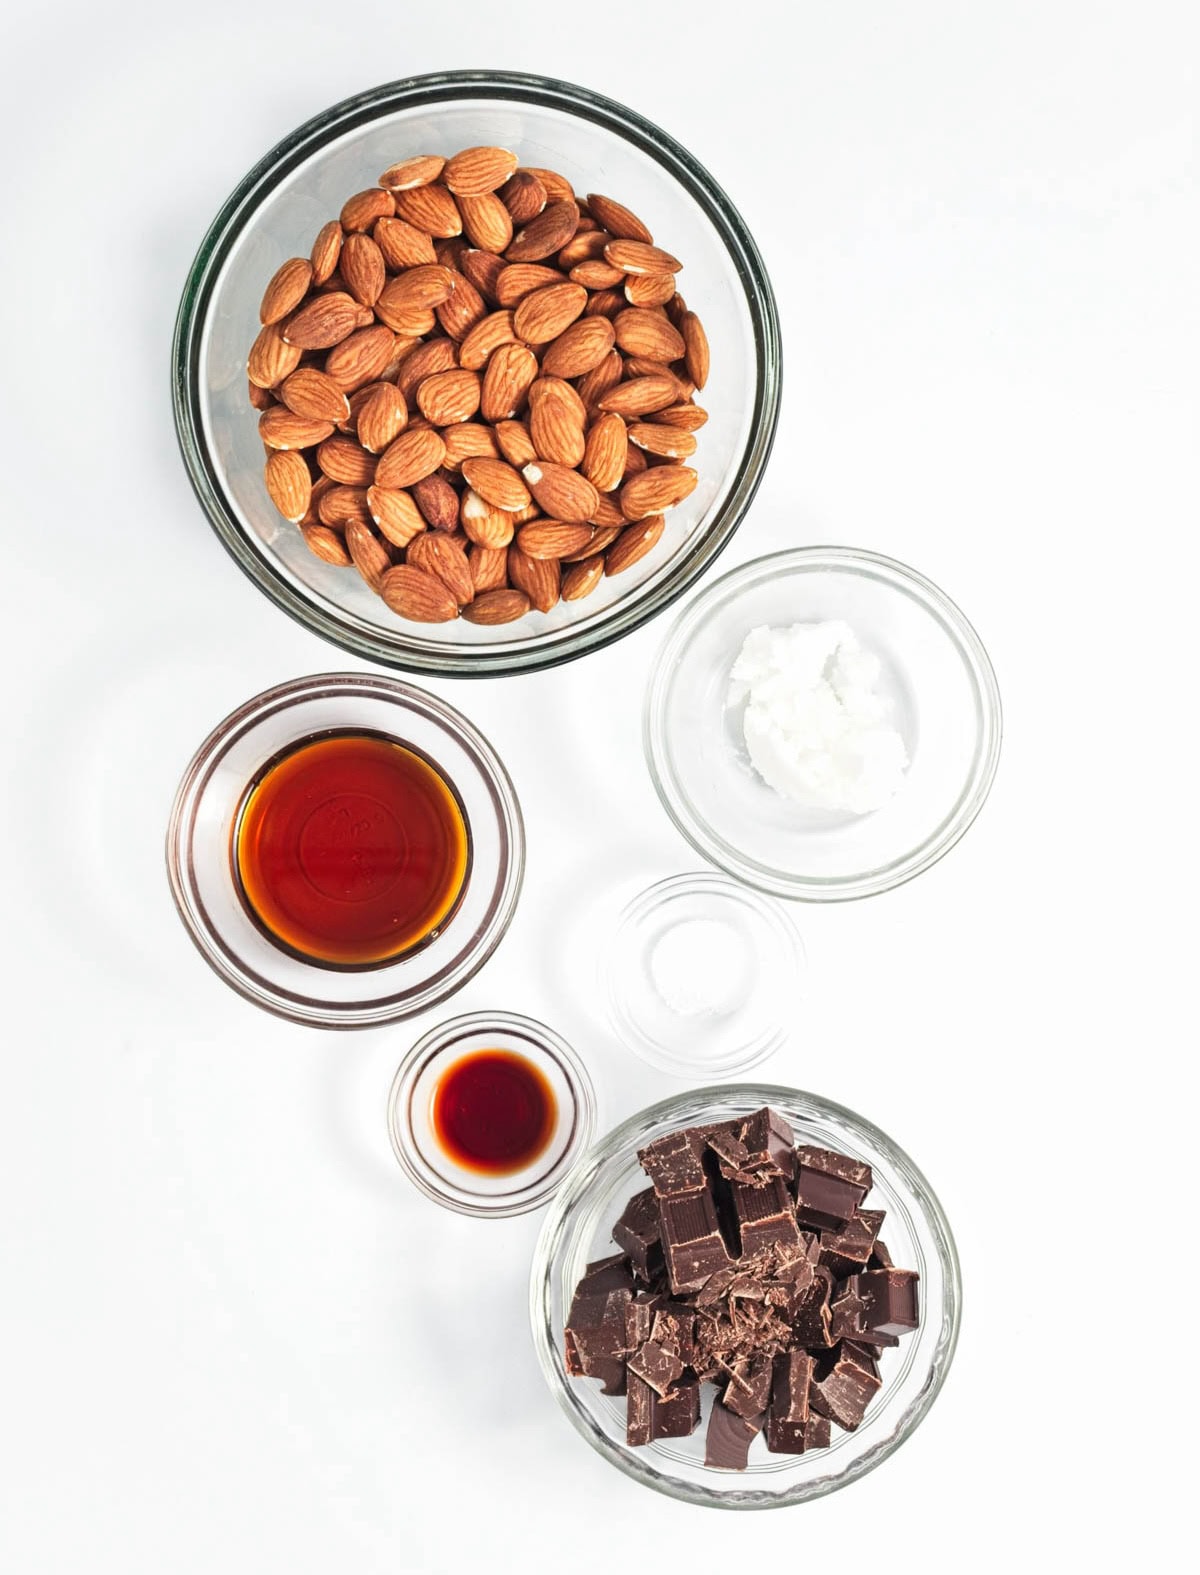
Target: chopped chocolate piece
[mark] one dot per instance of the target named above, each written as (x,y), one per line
(595,1331)
(639,1319)
(863,1355)
(675,1327)
(749,1388)
(844,1386)
(788,1422)
(771,1145)
(830,1163)
(606,1274)
(891,1298)
(639,1411)
(880,1257)
(639,1233)
(766,1215)
(829,1187)
(727,1442)
(692,1241)
(716,1287)
(656,1364)
(673,1163)
(810,1315)
(677,1413)
(847,1311)
(594,1351)
(612,1373)
(847,1251)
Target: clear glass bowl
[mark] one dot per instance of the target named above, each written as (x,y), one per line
(577,1230)
(200,860)
(704,976)
(275,213)
(944,701)
(410,1122)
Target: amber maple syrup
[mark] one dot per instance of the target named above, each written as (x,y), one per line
(494,1112)
(351,850)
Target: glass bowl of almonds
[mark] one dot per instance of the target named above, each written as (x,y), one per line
(437,387)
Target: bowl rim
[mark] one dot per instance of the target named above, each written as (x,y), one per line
(954,824)
(238,211)
(377,1011)
(685,1106)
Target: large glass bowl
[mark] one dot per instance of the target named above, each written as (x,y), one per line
(943,697)
(276,211)
(578,1228)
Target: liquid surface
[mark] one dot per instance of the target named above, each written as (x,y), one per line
(351,850)
(493,1112)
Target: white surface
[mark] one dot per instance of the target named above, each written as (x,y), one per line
(233,1337)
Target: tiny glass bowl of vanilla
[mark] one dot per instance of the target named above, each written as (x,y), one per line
(823,723)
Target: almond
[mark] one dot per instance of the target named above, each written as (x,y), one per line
(553,538)
(482,269)
(477,170)
(402,245)
(463,310)
(439,355)
(649,289)
(496,607)
(489,568)
(582,578)
(596,274)
(645,331)
(289,484)
(439,554)
(635,460)
(518,280)
(510,371)
(437,501)
(260,398)
(363,269)
(634,542)
(280,428)
(666,441)
(484,524)
(605,303)
(360,211)
(557,187)
(447,397)
(548,233)
(584,246)
(696,341)
(368,554)
(468,440)
(607,514)
(308,392)
(430,208)
(397,516)
(640,257)
(325,544)
(602,538)
(643,366)
(339,505)
(640,395)
(271,357)
(342,459)
(421,170)
(617,219)
(605,375)
(497,481)
(324,322)
(524,196)
(326,250)
(486,221)
(494,329)
(417,596)
(559,388)
(556,423)
(544,314)
(655,490)
(688,417)
(361,357)
(515,442)
(417,452)
(539,578)
(561,493)
(425,287)
(381,418)
(288,287)
(604,452)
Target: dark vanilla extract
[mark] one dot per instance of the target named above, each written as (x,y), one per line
(351,850)
(493,1112)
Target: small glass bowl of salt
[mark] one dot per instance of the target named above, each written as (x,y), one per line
(704,975)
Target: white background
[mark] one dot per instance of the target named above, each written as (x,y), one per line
(233,1337)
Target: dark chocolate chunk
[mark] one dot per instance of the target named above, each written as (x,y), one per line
(597,1353)
(788,1421)
(848,1250)
(766,1216)
(675,1327)
(639,1319)
(829,1187)
(639,1411)
(880,1257)
(749,1388)
(727,1442)
(891,1298)
(810,1316)
(692,1241)
(844,1386)
(770,1148)
(673,1163)
(595,1331)
(658,1365)
(677,1413)
(831,1163)
(639,1233)
(847,1311)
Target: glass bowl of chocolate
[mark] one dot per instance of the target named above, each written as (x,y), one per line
(745,1297)
(345,850)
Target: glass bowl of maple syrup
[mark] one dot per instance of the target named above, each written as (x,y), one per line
(487,1113)
(346,850)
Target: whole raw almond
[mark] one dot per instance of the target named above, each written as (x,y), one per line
(515,443)
(342,459)
(497,481)
(506,381)
(382,418)
(494,329)
(617,219)
(463,310)
(323,322)
(580,348)
(484,524)
(260,398)
(289,484)
(643,366)
(688,417)
(271,357)
(604,452)
(397,516)
(360,211)
(478,170)
(640,257)
(524,196)
(280,428)
(487,223)
(417,596)
(634,542)
(657,489)
(558,388)
(288,287)
(666,441)
(403,245)
(640,395)
(561,493)
(326,250)
(420,170)
(417,452)
(649,289)
(556,423)
(696,341)
(468,440)
(539,578)
(338,505)
(437,501)
(489,567)
(447,397)
(581,579)
(496,607)
(584,246)
(438,355)
(605,375)
(558,187)
(596,274)
(309,392)
(605,303)
(635,460)
(430,208)
(368,554)
(548,233)
(363,268)
(439,554)
(361,358)
(553,538)
(644,331)
(482,269)
(426,286)
(602,538)
(325,544)
(517,280)
(607,513)
(543,315)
